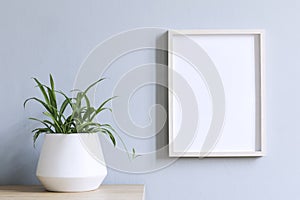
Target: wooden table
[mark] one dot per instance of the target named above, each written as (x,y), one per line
(105,192)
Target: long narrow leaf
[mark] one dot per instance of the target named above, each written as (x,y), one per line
(101,107)
(44,123)
(63,107)
(108,126)
(112,138)
(46,106)
(87,124)
(92,85)
(52,98)
(52,88)
(51,82)
(88,113)
(37,133)
(41,87)
(66,97)
(56,124)
(107,132)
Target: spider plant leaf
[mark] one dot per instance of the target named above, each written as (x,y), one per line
(105,102)
(44,123)
(78,100)
(80,95)
(45,130)
(42,89)
(46,106)
(63,107)
(99,111)
(67,126)
(111,136)
(35,137)
(37,133)
(133,153)
(87,101)
(51,82)
(101,107)
(88,113)
(108,127)
(42,130)
(75,90)
(52,124)
(66,97)
(92,85)
(89,110)
(87,124)
(52,98)
(77,111)
(70,124)
(52,87)
(56,124)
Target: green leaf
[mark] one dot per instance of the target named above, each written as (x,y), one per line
(51,82)
(45,123)
(88,113)
(52,88)
(92,85)
(63,107)
(101,107)
(111,136)
(88,104)
(46,106)
(56,124)
(66,97)
(78,99)
(84,125)
(108,126)
(41,87)
(37,132)
(134,155)
(35,137)
(75,90)
(52,98)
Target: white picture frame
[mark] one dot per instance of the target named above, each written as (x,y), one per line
(238,56)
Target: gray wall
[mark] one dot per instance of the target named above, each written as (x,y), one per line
(39,37)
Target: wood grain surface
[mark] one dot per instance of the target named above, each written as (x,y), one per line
(105,192)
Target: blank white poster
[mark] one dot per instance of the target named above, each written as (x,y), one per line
(236,60)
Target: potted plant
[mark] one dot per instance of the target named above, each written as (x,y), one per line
(71,158)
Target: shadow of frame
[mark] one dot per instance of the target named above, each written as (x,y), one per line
(161,95)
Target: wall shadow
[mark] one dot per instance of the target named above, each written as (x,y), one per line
(161,95)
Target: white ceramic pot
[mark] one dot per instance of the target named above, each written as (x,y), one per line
(71,163)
